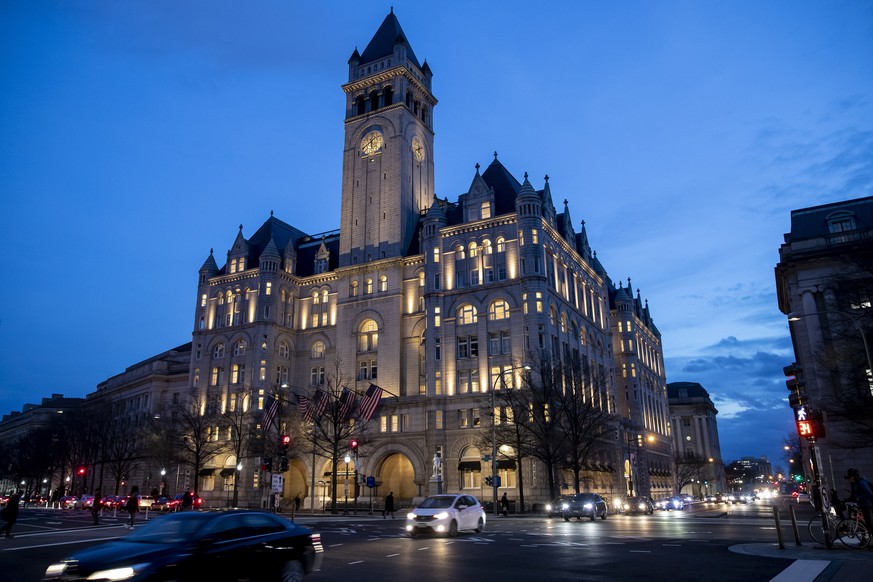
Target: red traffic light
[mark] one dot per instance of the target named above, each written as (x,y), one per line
(80,470)
(353,444)
(286,440)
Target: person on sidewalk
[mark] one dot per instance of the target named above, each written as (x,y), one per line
(10,513)
(389,506)
(504,505)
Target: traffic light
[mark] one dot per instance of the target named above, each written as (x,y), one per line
(267,464)
(285,442)
(497,480)
(80,471)
(353,445)
(489,481)
(283,464)
(795,384)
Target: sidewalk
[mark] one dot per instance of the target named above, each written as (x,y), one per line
(814,562)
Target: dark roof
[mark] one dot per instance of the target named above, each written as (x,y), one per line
(694,390)
(505,186)
(280,232)
(382,44)
(812,222)
(308,248)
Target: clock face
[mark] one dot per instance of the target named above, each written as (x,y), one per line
(418,149)
(371,143)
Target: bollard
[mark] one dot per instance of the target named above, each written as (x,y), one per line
(794,525)
(778,528)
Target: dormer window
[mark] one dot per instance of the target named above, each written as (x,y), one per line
(320,266)
(486,210)
(841,225)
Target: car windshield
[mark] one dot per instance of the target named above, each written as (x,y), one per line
(172,529)
(439,501)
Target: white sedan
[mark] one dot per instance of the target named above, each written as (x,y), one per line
(446,514)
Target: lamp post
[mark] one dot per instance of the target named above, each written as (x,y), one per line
(347,460)
(494,484)
(163,481)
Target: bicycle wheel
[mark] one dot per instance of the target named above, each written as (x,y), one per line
(853,534)
(815,529)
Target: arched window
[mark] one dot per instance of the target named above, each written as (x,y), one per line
(318,349)
(353,291)
(459,253)
(501,244)
(368,287)
(388,96)
(368,336)
(284,350)
(383,283)
(467,314)
(218,351)
(360,108)
(474,249)
(486,247)
(498,310)
(239,348)
(374,101)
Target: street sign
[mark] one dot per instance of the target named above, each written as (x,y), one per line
(371,481)
(278,483)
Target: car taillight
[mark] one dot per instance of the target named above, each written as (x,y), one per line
(316,542)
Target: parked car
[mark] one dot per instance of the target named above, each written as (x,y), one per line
(804,498)
(446,514)
(145,501)
(555,507)
(84,502)
(162,504)
(200,546)
(110,501)
(67,501)
(584,505)
(196,501)
(635,505)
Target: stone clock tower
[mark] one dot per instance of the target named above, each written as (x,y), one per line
(388,158)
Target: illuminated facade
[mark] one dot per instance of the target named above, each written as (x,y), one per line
(430,299)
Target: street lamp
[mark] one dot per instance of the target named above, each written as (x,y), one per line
(494,484)
(347,460)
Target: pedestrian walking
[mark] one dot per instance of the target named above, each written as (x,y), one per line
(862,494)
(297,503)
(10,513)
(187,501)
(132,506)
(389,506)
(504,505)
(95,509)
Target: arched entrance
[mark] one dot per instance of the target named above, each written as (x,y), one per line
(396,474)
(295,483)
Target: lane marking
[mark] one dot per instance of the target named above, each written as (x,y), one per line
(802,571)
(358,562)
(61,544)
(392,555)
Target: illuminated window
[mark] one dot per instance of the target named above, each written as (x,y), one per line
(436,317)
(353,290)
(368,336)
(218,351)
(269,288)
(486,210)
(238,374)
(217,376)
(383,283)
(474,250)
(467,314)
(368,287)
(501,244)
(534,236)
(203,300)
(438,419)
(498,310)
(318,349)
(436,255)
(262,371)
(239,348)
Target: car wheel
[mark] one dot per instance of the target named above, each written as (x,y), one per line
(292,571)
(603,515)
(480,526)
(593,515)
(453,529)
(566,518)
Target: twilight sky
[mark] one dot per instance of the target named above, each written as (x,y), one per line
(136,135)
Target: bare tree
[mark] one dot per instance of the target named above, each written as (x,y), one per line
(513,406)
(197,422)
(689,468)
(239,417)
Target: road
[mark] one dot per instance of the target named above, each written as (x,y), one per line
(677,545)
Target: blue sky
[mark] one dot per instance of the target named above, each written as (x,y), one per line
(137,135)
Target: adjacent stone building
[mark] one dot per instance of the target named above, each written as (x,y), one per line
(695,438)
(824,284)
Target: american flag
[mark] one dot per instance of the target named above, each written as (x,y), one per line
(270,409)
(319,404)
(346,402)
(304,404)
(370,402)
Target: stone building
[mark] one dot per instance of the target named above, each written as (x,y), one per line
(436,301)
(824,284)
(695,438)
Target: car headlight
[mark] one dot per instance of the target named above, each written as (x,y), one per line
(411,515)
(123,573)
(55,570)
(565,506)
(642,506)
(587,506)
(441,515)
(548,506)
(626,506)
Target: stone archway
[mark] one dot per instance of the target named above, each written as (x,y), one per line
(296,482)
(396,474)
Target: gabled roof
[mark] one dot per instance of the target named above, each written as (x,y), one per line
(382,43)
(506,187)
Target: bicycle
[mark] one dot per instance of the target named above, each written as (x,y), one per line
(815,526)
(852,531)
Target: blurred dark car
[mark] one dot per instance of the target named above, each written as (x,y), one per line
(584,505)
(555,507)
(189,545)
(161,504)
(110,501)
(636,505)
(67,501)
